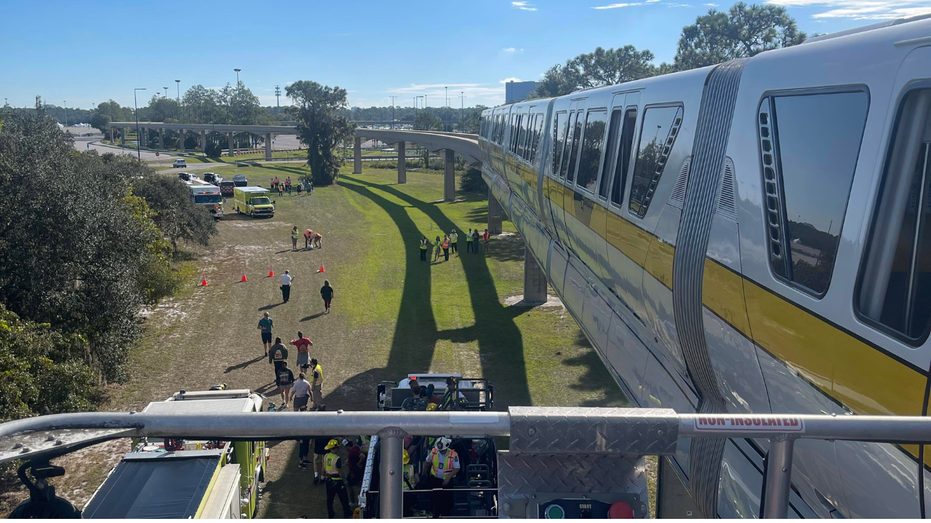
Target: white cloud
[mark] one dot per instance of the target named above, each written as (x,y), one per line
(511,50)
(673,4)
(861,9)
(616,6)
(711,5)
(523,6)
(511,79)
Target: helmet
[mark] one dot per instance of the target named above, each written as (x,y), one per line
(442,444)
(405,457)
(332,444)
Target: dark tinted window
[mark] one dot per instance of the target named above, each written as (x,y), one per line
(623,156)
(657,136)
(895,287)
(573,147)
(592,144)
(537,134)
(616,118)
(559,141)
(515,130)
(817,141)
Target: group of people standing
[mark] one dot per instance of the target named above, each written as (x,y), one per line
(285,187)
(312,240)
(451,242)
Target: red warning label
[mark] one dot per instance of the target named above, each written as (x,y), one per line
(761,424)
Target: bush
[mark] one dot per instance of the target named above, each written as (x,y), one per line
(214,150)
(472,181)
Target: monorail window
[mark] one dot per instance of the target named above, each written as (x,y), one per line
(514,126)
(537,134)
(592,145)
(814,147)
(657,136)
(623,156)
(568,166)
(559,141)
(616,118)
(895,278)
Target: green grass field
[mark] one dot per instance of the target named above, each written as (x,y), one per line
(392,314)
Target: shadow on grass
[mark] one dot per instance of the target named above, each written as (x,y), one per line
(506,248)
(312,316)
(499,340)
(243,364)
(269,307)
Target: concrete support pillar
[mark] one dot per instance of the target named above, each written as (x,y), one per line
(161,139)
(534,279)
(357,155)
(402,164)
(268,147)
(181,140)
(229,141)
(203,141)
(123,133)
(449,177)
(494,214)
(112,134)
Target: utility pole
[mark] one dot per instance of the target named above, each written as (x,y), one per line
(277,100)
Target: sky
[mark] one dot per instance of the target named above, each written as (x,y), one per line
(81,53)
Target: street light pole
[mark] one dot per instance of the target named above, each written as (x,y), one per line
(178,82)
(136,112)
(447,96)
(166,91)
(66,111)
(237,75)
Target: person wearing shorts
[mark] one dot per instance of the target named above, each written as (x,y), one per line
(265,325)
(300,392)
(284,379)
(319,451)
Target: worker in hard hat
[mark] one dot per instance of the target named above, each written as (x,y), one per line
(334,482)
(440,467)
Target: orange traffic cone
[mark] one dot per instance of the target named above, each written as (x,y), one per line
(203,280)
(271,271)
(243,276)
(321,269)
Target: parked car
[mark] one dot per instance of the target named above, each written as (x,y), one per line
(213,178)
(227,187)
(180,163)
(186,177)
(240,180)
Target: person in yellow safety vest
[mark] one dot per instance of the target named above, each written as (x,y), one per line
(469,241)
(334,482)
(442,463)
(424,245)
(437,243)
(316,383)
(454,241)
(410,479)
(294,235)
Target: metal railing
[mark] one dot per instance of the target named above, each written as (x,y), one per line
(602,431)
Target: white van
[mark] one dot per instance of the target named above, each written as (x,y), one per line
(180,162)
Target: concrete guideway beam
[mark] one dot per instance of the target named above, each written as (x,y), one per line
(402,163)
(357,155)
(534,279)
(495,213)
(449,177)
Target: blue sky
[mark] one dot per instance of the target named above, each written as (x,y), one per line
(90,51)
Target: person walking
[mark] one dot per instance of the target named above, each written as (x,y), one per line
(334,483)
(436,248)
(294,235)
(485,238)
(286,280)
(278,355)
(445,248)
(303,350)
(424,245)
(300,392)
(284,379)
(308,234)
(316,382)
(469,241)
(317,241)
(319,452)
(326,292)
(303,447)
(454,241)
(475,240)
(265,325)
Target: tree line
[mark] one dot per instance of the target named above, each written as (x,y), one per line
(743,31)
(86,242)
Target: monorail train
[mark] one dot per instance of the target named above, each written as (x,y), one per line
(748,237)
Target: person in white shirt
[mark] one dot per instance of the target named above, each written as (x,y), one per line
(286,280)
(300,392)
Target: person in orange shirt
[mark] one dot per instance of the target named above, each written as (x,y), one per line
(485,238)
(445,247)
(308,234)
(317,241)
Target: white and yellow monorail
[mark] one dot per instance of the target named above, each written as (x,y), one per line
(749,237)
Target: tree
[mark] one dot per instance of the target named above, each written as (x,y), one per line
(319,127)
(428,122)
(101,122)
(244,106)
(595,69)
(172,210)
(202,105)
(161,109)
(744,31)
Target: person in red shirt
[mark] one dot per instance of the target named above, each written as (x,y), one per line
(303,350)
(485,238)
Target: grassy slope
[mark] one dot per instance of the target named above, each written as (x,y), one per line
(392,313)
